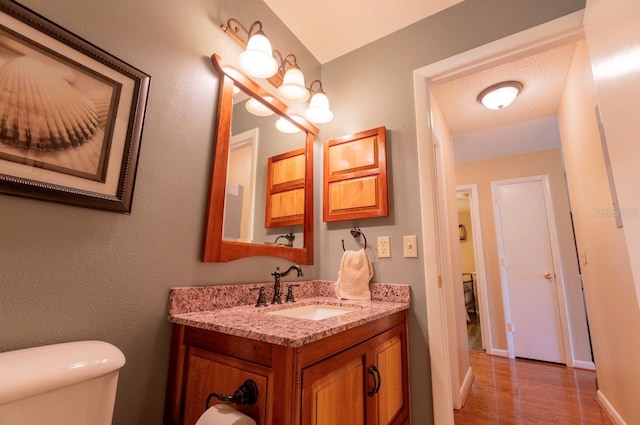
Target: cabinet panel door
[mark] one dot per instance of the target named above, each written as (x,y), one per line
(389,354)
(355,176)
(208,372)
(333,391)
(389,363)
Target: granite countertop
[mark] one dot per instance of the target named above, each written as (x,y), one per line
(242,318)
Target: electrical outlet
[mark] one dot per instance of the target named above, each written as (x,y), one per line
(410,246)
(384,249)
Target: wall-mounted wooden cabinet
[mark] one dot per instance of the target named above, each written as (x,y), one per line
(355,176)
(285,189)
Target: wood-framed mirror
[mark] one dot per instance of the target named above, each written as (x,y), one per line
(227,235)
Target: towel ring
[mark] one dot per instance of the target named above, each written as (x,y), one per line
(355,232)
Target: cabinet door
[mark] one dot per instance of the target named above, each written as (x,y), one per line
(208,372)
(391,403)
(355,176)
(333,391)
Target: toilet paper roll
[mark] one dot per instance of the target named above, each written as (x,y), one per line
(223,414)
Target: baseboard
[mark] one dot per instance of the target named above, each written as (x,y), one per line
(500,353)
(579,364)
(609,410)
(466,386)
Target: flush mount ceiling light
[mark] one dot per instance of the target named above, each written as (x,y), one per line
(500,95)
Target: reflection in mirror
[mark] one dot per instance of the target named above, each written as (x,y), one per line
(261,191)
(254,140)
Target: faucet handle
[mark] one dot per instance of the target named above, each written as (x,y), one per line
(290,293)
(262,299)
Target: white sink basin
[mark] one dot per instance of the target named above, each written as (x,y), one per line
(313,312)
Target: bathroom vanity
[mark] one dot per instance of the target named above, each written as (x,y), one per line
(351,368)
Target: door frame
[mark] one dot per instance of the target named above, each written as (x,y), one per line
(481,278)
(249,137)
(533,40)
(555,255)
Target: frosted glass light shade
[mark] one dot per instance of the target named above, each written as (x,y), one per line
(293,89)
(318,111)
(257,60)
(286,126)
(500,95)
(257,108)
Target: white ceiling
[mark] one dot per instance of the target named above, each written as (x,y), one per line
(331,28)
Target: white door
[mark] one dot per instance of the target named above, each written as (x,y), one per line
(532,310)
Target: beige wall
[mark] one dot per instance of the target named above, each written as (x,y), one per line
(608,282)
(547,162)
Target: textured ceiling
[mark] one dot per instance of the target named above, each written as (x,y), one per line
(528,124)
(543,76)
(331,28)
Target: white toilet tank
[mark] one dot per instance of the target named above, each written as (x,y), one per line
(73,383)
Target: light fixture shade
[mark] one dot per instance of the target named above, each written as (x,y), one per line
(257,108)
(500,95)
(293,89)
(286,126)
(257,60)
(318,111)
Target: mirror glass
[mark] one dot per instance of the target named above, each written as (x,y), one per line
(261,191)
(255,139)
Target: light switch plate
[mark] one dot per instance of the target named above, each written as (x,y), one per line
(410,246)
(384,249)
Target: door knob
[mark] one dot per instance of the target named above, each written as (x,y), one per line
(548,276)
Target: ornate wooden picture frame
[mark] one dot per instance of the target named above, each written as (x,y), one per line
(71,115)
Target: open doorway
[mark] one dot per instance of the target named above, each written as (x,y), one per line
(473,268)
(442,351)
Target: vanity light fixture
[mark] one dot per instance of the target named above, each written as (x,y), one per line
(257,108)
(286,126)
(293,89)
(257,59)
(318,111)
(500,95)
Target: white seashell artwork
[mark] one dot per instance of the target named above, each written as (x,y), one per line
(40,110)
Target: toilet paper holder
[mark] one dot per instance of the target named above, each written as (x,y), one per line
(247,393)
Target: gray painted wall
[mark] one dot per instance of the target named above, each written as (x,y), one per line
(373,86)
(69,273)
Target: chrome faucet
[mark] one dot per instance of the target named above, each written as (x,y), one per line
(277,291)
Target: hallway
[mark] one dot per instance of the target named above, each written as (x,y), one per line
(523,392)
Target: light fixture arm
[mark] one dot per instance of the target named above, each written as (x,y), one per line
(239,32)
(318,90)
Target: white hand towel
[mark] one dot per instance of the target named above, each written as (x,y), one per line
(354,276)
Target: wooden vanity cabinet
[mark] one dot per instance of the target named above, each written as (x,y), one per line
(365,384)
(359,376)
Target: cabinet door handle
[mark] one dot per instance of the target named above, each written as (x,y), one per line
(373,371)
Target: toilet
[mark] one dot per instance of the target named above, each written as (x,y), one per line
(72,383)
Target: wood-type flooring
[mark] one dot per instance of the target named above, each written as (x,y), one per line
(525,392)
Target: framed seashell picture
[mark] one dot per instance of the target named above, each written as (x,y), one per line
(71,115)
